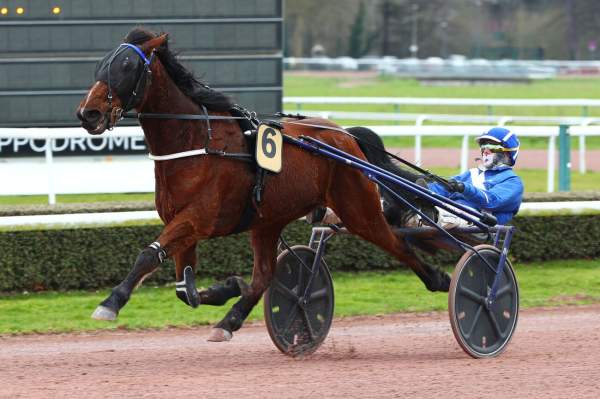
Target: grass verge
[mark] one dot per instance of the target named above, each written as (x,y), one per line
(546,284)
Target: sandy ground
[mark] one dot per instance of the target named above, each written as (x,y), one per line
(554,353)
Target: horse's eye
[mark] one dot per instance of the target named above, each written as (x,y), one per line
(126,65)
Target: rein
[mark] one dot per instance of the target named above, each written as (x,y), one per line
(425,172)
(146,115)
(251,116)
(205,117)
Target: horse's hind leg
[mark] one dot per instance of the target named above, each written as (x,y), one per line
(355,200)
(185,277)
(185,287)
(264,243)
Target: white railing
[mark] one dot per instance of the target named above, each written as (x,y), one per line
(135,173)
(454,67)
(486,102)
(529,208)
(489,103)
(420,119)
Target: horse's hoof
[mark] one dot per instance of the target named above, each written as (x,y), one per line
(104,313)
(219,335)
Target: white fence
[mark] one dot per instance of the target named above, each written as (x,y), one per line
(454,67)
(584,103)
(485,102)
(570,207)
(490,103)
(135,173)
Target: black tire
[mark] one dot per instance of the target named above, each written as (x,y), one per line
(298,328)
(482,331)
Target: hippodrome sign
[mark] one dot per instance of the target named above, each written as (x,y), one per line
(47,65)
(10,146)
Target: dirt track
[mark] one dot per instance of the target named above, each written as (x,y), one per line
(555,353)
(528,159)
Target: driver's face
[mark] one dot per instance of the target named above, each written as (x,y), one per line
(486,151)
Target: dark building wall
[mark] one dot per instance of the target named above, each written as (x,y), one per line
(47,56)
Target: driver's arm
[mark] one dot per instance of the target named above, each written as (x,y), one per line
(502,194)
(440,189)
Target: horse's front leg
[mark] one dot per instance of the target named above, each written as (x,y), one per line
(147,262)
(177,237)
(264,244)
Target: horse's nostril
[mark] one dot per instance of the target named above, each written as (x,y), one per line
(89,115)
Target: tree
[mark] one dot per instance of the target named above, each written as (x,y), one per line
(355,48)
(360,41)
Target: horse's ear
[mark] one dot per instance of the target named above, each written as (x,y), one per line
(155,43)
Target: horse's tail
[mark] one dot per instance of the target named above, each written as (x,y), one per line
(372,146)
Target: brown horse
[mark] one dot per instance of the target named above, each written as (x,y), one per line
(206,195)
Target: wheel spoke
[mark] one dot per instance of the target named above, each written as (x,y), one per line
(495,323)
(475,297)
(507,289)
(300,280)
(319,294)
(475,320)
(309,325)
(289,320)
(285,290)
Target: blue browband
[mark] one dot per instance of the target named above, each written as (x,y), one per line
(147,61)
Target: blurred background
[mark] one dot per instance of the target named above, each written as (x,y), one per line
(428,76)
(487,29)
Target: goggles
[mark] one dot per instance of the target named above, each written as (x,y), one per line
(495,148)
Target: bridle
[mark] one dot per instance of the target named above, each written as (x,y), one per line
(137,93)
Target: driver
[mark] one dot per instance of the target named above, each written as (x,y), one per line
(493,186)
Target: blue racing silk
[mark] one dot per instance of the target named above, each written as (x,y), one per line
(499,191)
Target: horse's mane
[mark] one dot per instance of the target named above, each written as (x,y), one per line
(192,87)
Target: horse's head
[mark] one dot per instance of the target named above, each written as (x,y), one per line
(122,79)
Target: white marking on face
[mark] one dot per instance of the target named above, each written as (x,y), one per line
(91,94)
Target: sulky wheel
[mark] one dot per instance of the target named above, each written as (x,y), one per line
(298,324)
(483,331)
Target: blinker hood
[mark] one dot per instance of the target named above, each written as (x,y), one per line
(125,71)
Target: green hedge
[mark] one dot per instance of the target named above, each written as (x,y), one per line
(96,257)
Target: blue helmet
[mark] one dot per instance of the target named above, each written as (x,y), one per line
(505,138)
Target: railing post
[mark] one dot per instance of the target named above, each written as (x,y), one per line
(504,120)
(564,165)
(50,172)
(551,162)
(464,154)
(397,112)
(418,140)
(582,166)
